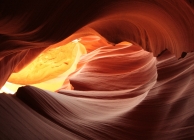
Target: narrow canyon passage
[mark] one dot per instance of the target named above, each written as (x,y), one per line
(114,69)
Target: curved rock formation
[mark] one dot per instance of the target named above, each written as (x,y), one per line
(119,90)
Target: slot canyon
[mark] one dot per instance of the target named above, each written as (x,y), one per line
(97,70)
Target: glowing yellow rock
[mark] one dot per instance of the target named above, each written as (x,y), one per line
(49,64)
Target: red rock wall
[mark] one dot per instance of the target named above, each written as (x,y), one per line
(120,91)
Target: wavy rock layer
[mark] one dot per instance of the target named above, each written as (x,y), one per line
(118,91)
